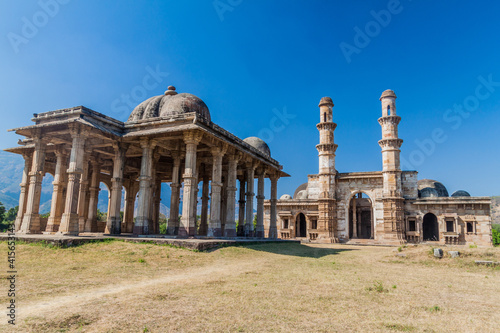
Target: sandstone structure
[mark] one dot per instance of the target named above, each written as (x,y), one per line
(385,207)
(167,139)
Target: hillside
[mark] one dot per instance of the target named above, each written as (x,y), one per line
(495,209)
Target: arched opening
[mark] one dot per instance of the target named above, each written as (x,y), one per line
(430,227)
(300,226)
(360,217)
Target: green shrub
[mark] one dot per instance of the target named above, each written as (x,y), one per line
(496,236)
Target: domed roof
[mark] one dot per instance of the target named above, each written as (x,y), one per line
(460,193)
(258,144)
(388,93)
(286,197)
(302,195)
(326,101)
(300,188)
(169,104)
(425,184)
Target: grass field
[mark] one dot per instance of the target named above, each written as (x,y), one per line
(125,287)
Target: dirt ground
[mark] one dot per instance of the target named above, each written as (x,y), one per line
(124,287)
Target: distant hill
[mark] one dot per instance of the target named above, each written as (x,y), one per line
(495,209)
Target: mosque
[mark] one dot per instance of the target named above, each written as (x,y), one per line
(382,207)
(171,139)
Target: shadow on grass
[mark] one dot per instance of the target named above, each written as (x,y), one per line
(293,249)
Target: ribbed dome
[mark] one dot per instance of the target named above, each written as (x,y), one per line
(326,101)
(388,93)
(258,144)
(169,104)
(285,197)
(299,189)
(460,193)
(425,184)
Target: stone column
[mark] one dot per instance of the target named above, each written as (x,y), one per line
(273,230)
(141,226)
(57,195)
(230,227)
(204,206)
(223,203)
(114,223)
(82,195)
(195,197)
(187,227)
(24,189)
(241,208)
(128,211)
(91,223)
(173,221)
(69,221)
(214,226)
(153,222)
(259,229)
(31,218)
(249,232)
(156,208)
(354,218)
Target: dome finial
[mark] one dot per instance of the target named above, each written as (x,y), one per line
(170,91)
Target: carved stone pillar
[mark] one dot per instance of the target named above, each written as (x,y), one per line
(273,231)
(154,226)
(128,212)
(113,223)
(214,226)
(223,203)
(230,227)
(141,226)
(249,232)
(57,195)
(69,221)
(82,195)
(156,208)
(241,208)
(28,158)
(91,223)
(259,228)
(188,226)
(173,221)
(354,218)
(204,206)
(31,218)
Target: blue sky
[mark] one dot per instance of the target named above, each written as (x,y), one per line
(251,60)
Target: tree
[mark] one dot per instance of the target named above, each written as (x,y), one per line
(2,211)
(11,214)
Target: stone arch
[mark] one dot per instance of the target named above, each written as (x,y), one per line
(430,227)
(300,225)
(365,229)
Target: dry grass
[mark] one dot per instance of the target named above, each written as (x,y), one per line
(124,287)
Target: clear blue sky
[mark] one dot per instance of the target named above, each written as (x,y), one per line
(248,58)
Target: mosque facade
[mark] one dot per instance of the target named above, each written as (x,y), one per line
(390,206)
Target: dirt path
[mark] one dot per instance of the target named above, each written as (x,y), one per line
(214,271)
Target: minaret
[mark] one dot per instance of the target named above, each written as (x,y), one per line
(393,200)
(327,219)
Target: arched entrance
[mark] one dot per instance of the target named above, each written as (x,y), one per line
(300,226)
(360,217)
(430,227)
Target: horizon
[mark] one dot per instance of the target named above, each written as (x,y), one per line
(266,66)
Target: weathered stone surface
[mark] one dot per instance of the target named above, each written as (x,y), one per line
(438,253)
(454,254)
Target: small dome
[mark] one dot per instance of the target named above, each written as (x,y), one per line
(286,197)
(388,93)
(432,184)
(326,101)
(460,193)
(302,195)
(169,104)
(428,192)
(300,188)
(258,144)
